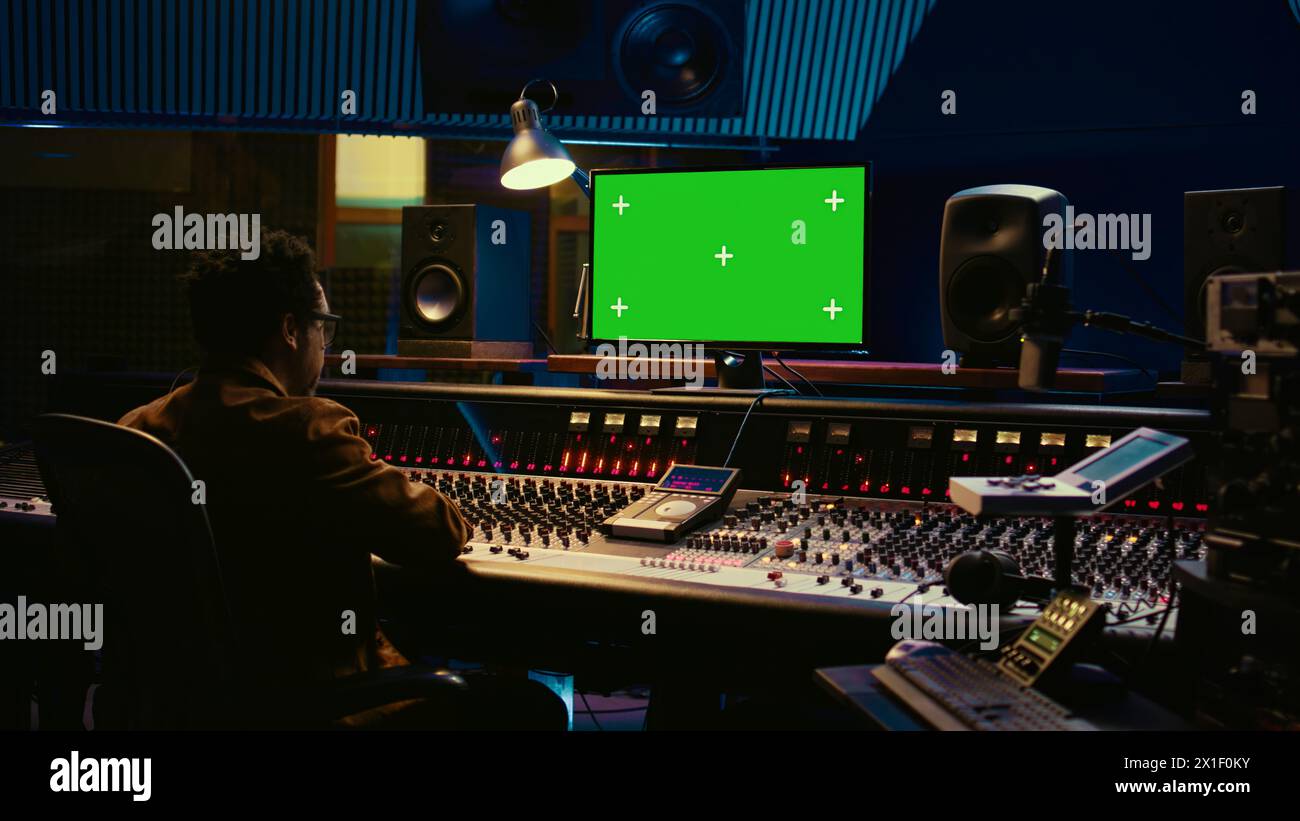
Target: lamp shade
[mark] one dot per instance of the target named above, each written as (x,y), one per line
(534,158)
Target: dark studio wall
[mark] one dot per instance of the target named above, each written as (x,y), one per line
(78,273)
(1121,106)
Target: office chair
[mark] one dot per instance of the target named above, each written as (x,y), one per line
(136,542)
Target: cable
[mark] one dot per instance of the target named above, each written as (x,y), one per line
(741,430)
(546,338)
(179,375)
(1146,286)
(1153,375)
(781,362)
(782,378)
(1126,325)
(1143,616)
(594,720)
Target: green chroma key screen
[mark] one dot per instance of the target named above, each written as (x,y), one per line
(767,255)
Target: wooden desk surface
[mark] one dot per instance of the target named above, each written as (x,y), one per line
(440,363)
(912,374)
(827,371)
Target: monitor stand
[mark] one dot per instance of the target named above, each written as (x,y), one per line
(737,376)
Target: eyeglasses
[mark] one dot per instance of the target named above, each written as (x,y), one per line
(329,324)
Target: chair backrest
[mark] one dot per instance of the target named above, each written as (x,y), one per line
(130,522)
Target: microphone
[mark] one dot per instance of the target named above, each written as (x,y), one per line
(1045,313)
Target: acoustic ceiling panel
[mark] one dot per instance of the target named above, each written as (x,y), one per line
(814,68)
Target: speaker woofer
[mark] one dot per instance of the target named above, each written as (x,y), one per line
(436,294)
(679,51)
(982,293)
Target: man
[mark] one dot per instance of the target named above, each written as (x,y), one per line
(296,503)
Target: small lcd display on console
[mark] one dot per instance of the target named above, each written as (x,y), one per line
(695,479)
(1121,457)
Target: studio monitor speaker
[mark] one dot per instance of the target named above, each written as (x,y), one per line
(991,248)
(465,282)
(1228,232)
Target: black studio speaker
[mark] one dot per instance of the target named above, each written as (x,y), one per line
(1228,232)
(465,282)
(990,249)
(476,55)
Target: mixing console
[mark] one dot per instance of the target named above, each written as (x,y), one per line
(827,546)
(537,470)
(22,493)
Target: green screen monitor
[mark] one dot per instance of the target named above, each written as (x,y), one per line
(750,258)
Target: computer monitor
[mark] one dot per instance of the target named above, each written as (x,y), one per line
(741,258)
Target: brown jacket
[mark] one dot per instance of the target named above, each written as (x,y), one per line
(297,506)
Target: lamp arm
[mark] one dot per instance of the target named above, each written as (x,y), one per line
(583,179)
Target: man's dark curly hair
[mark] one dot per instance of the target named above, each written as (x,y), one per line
(237,304)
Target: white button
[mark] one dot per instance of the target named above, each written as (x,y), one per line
(675,508)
